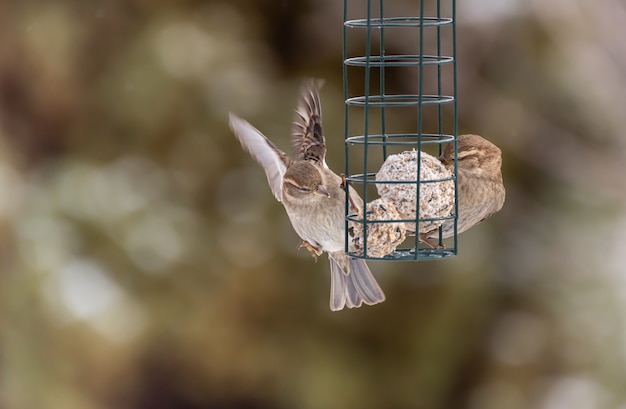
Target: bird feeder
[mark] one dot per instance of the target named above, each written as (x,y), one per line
(399,76)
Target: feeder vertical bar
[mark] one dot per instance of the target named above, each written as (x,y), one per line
(368,47)
(456,129)
(346,114)
(382,78)
(420,94)
(439,94)
(439,73)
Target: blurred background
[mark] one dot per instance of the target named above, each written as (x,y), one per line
(145,264)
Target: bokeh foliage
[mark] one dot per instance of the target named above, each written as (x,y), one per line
(145,264)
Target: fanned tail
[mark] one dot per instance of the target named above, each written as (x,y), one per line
(352,288)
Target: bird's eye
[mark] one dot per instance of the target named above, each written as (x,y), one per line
(303,189)
(298,187)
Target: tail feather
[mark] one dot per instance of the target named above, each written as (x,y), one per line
(337,287)
(365,283)
(353,296)
(355,287)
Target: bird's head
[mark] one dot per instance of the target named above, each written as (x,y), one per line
(474,153)
(303,179)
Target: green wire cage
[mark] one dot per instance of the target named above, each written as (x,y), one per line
(402,132)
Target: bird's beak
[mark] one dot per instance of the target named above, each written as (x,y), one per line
(322,191)
(445,161)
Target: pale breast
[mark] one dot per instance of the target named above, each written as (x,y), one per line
(320,222)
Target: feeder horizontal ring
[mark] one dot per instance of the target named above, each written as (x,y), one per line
(400,139)
(399,100)
(359,220)
(398,22)
(408,60)
(362,179)
(410,254)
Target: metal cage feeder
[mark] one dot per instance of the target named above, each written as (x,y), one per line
(378,128)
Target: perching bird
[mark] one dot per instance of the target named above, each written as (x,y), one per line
(314,198)
(481,190)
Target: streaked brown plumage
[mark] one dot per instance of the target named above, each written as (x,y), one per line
(481,190)
(313,197)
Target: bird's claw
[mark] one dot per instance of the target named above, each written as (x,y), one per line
(423,238)
(343,181)
(315,251)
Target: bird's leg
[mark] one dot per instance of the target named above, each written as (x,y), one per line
(423,238)
(345,186)
(315,251)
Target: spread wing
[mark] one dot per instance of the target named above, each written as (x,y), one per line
(273,161)
(307,136)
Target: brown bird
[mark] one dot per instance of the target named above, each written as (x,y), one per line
(314,198)
(481,190)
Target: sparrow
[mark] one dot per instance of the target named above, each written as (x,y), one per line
(480,187)
(313,197)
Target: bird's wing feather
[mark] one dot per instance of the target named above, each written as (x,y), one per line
(273,161)
(307,136)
